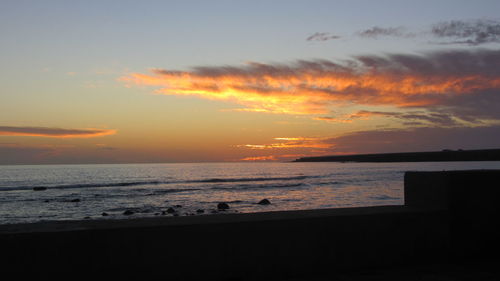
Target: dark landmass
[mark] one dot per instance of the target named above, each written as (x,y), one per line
(430,156)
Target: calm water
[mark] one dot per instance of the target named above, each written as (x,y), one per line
(86,191)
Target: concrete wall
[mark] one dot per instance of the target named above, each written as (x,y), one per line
(472,200)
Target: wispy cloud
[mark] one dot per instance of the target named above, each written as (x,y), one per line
(460,32)
(377,31)
(277,157)
(286,148)
(462,84)
(53,132)
(286,143)
(412,117)
(362,114)
(260,158)
(333,119)
(322,36)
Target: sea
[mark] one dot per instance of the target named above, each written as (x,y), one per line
(34,193)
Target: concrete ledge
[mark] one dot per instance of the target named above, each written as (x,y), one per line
(474,190)
(248,245)
(472,201)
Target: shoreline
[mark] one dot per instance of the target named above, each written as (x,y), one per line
(208,219)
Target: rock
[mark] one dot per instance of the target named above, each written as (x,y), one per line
(86,218)
(222,206)
(178,206)
(200,211)
(264,202)
(75,200)
(176,215)
(104,214)
(39,188)
(128,212)
(163,213)
(170,210)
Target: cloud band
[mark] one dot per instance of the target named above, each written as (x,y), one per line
(451,80)
(53,132)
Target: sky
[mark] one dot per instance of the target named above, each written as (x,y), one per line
(210,81)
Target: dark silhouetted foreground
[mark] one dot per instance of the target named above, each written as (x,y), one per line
(447,227)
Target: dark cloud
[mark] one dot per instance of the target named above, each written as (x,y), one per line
(438,119)
(429,118)
(416,116)
(322,36)
(376,32)
(407,118)
(446,62)
(483,105)
(417,139)
(412,124)
(53,132)
(464,32)
(468,32)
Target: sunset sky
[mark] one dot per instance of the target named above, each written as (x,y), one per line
(198,81)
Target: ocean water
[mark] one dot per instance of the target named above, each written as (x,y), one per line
(74,192)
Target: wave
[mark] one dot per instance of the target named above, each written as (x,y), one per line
(218,180)
(384,197)
(255,186)
(156,182)
(81,185)
(174,190)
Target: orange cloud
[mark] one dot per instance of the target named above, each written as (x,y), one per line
(54,132)
(279,157)
(298,146)
(260,158)
(311,87)
(290,143)
(332,119)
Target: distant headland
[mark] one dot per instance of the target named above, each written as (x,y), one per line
(445,155)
